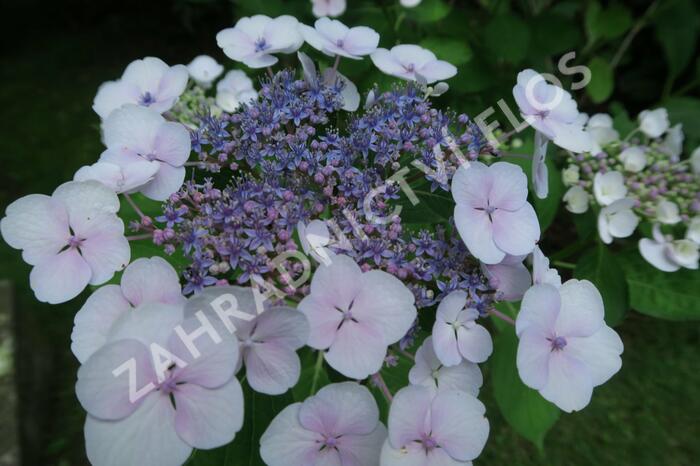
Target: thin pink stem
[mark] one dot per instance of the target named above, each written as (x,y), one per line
(407,354)
(501,316)
(139,237)
(133,205)
(337,62)
(383,387)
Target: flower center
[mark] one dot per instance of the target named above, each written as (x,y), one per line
(261,45)
(330,441)
(74,242)
(490,209)
(429,443)
(558,343)
(339,43)
(147,99)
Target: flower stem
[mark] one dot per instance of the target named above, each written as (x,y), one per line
(335,65)
(317,371)
(139,237)
(133,205)
(407,354)
(379,381)
(564,265)
(502,316)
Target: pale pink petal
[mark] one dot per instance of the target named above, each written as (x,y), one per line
(206,418)
(413,54)
(168,180)
(287,443)
(386,303)
(36,224)
(472,184)
(361,40)
(113,94)
(445,343)
(172,85)
(410,455)
(357,351)
(571,137)
(94,320)
(600,353)
(312,37)
(282,325)
(655,254)
(510,281)
(147,437)
(151,280)
(146,72)
(539,309)
(437,70)
(323,320)
(84,200)
(385,61)
(533,358)
(465,376)
(133,127)
(271,368)
(172,143)
(569,385)
(212,360)
(149,323)
(104,248)
(409,416)
(458,424)
(107,394)
(60,278)
(338,283)
(339,409)
(474,343)
(362,450)
(451,306)
(508,186)
(516,232)
(478,234)
(582,311)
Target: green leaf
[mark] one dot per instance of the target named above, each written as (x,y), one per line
(260,410)
(621,120)
(454,51)
(429,11)
(553,34)
(685,110)
(313,374)
(672,296)
(601,268)
(602,82)
(547,208)
(608,23)
(524,408)
(677,30)
(507,37)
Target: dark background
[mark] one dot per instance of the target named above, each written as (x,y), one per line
(55,54)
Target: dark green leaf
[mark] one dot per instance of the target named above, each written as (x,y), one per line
(685,110)
(429,11)
(313,374)
(677,30)
(507,37)
(672,296)
(602,82)
(524,408)
(260,410)
(621,120)
(608,23)
(454,51)
(601,268)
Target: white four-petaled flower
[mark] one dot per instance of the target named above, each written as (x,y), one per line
(72,238)
(148,82)
(617,220)
(407,61)
(204,70)
(333,38)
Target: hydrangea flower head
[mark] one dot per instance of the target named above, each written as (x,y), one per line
(72,238)
(204,70)
(333,38)
(254,40)
(456,335)
(355,316)
(428,371)
(134,134)
(407,61)
(183,402)
(339,425)
(491,203)
(428,427)
(565,347)
(148,82)
(151,280)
